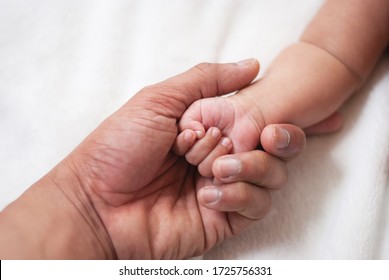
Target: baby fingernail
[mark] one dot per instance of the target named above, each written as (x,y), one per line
(281,137)
(188,135)
(199,133)
(215,132)
(226,142)
(229,167)
(210,194)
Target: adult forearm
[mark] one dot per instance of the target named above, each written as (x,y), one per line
(51,221)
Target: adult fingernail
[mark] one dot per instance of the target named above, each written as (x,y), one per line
(281,137)
(210,194)
(229,167)
(246,62)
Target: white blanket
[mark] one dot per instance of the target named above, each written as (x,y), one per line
(66,65)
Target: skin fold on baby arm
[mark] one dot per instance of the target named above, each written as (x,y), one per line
(304,85)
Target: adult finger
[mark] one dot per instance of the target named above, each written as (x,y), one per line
(204,80)
(255,167)
(243,202)
(284,141)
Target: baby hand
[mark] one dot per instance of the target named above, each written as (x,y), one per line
(202,150)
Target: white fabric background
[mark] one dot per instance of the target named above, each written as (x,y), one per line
(66,65)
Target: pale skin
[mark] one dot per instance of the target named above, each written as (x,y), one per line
(304,85)
(123,194)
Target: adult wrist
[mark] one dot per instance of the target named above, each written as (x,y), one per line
(68,178)
(53,219)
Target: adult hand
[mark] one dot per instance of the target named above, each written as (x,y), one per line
(126,195)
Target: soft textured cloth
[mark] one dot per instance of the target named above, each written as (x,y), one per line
(66,65)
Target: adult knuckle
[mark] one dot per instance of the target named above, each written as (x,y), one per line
(207,76)
(205,71)
(262,166)
(243,194)
(260,204)
(263,206)
(204,68)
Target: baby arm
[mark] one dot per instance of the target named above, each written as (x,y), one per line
(311,79)
(304,85)
(308,81)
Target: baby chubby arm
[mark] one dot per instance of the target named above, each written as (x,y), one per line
(309,80)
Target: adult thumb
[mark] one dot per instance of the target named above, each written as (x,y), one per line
(176,94)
